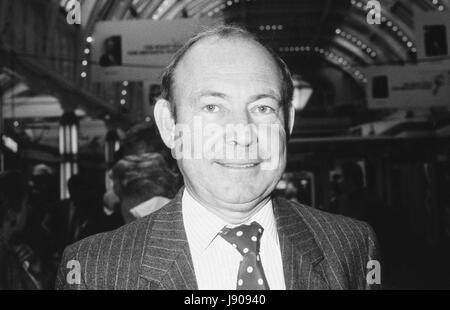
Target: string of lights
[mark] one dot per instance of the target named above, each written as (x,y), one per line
(358,42)
(270,27)
(439,5)
(224,5)
(330,56)
(85,61)
(391,25)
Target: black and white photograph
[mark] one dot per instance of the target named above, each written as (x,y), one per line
(225,145)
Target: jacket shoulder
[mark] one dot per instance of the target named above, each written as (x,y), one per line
(349,246)
(108,260)
(328,222)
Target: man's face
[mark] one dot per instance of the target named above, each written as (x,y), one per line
(232,85)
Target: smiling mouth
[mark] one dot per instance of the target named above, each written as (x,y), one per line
(238,165)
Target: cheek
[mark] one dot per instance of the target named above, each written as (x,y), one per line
(271,141)
(272,148)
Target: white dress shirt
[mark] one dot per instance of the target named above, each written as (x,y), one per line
(216,262)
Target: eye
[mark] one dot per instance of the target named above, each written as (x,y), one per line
(211,108)
(264,109)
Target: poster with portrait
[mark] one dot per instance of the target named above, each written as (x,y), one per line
(432,30)
(138,50)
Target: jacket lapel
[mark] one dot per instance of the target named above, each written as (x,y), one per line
(300,253)
(167,262)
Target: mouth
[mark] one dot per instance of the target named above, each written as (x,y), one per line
(238,165)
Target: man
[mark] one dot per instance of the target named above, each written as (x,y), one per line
(224,230)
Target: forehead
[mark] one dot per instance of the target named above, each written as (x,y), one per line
(232,61)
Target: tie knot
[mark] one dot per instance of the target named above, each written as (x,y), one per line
(245,238)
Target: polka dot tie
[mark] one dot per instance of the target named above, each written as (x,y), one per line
(246,240)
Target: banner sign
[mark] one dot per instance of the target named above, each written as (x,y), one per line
(413,86)
(432,31)
(138,50)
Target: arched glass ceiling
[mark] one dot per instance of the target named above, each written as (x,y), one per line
(315,23)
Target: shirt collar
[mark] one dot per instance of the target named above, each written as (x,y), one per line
(203,225)
(199,222)
(149,206)
(266,219)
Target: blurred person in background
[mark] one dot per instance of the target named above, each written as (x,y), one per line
(355,200)
(73,218)
(145,138)
(42,198)
(20,268)
(140,139)
(44,190)
(111,217)
(143,184)
(37,233)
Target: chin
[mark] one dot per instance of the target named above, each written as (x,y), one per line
(239,194)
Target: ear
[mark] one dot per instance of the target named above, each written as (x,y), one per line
(165,122)
(291,119)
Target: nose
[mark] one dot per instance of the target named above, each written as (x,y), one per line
(241,132)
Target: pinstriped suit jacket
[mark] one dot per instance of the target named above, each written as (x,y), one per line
(319,251)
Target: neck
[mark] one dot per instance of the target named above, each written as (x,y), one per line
(232,213)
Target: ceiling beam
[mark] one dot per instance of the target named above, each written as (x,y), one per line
(322,21)
(71,97)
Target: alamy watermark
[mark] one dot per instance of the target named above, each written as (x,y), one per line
(73,12)
(231,144)
(73,276)
(374,15)
(374,272)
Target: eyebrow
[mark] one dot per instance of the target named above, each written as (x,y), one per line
(210,93)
